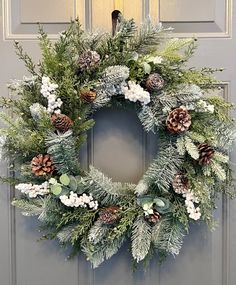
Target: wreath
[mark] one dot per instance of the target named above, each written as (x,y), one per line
(51,110)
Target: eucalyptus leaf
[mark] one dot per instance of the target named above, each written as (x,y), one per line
(144,200)
(147,68)
(159,202)
(73,183)
(56,189)
(65,179)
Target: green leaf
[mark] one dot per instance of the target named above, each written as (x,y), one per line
(73,183)
(147,68)
(65,179)
(159,202)
(144,200)
(163,209)
(56,189)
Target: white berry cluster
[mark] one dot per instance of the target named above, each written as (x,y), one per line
(33,190)
(48,90)
(83,201)
(194,212)
(134,92)
(37,110)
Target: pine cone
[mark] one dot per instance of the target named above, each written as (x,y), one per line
(42,165)
(155,82)
(61,122)
(88,95)
(180,183)
(109,215)
(206,152)
(178,121)
(88,59)
(153,218)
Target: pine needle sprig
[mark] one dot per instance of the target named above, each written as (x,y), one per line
(163,169)
(29,207)
(102,188)
(168,236)
(141,239)
(63,150)
(31,67)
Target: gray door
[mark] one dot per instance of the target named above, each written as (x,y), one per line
(119,147)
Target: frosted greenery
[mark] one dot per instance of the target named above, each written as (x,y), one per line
(71,211)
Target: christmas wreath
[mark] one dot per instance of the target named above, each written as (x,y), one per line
(144,69)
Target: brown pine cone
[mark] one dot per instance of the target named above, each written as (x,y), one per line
(180,183)
(61,122)
(178,120)
(88,95)
(109,215)
(153,218)
(154,82)
(88,59)
(42,165)
(206,152)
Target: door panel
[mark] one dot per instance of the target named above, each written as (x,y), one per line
(119,147)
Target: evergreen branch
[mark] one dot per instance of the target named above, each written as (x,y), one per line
(103,251)
(102,188)
(218,170)
(26,58)
(64,235)
(220,157)
(168,235)
(148,37)
(191,148)
(141,239)
(173,47)
(148,119)
(163,169)
(97,232)
(32,207)
(63,150)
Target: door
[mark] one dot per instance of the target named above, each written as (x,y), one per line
(118,146)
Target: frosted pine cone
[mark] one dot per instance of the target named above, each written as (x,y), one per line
(42,165)
(154,82)
(88,59)
(178,121)
(109,215)
(206,153)
(180,184)
(88,95)
(153,218)
(61,122)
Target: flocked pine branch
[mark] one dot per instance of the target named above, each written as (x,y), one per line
(185,144)
(101,100)
(167,236)
(163,169)
(33,207)
(102,188)
(63,150)
(149,118)
(103,251)
(141,239)
(97,232)
(64,235)
(148,37)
